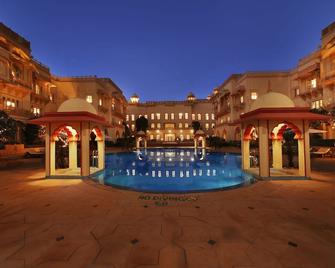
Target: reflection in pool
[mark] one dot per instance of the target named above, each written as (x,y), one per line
(173,170)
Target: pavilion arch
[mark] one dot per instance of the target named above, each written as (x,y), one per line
(97,149)
(277,137)
(64,153)
(250,133)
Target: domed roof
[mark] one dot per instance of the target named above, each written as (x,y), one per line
(134,95)
(190,95)
(199,132)
(272,100)
(76,105)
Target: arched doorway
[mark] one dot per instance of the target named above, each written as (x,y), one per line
(250,149)
(287,150)
(97,150)
(64,150)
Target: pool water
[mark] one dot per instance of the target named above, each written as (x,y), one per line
(173,170)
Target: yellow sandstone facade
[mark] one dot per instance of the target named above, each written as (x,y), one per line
(310,84)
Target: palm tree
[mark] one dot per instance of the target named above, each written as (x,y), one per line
(196,126)
(142,124)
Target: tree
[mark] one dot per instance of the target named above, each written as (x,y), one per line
(288,136)
(8,128)
(32,134)
(196,126)
(141,124)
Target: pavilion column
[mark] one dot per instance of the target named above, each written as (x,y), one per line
(263,135)
(85,149)
(307,149)
(47,150)
(52,157)
(277,156)
(301,157)
(101,154)
(245,154)
(73,154)
(145,143)
(195,143)
(204,142)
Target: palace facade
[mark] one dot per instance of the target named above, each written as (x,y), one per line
(310,84)
(28,89)
(171,121)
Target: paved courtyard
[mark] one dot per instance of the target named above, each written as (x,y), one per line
(75,223)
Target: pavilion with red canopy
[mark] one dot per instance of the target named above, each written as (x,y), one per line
(74,140)
(269,117)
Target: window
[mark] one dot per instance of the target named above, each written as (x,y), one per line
(180,125)
(199,116)
(207,126)
(166,116)
(158,116)
(152,125)
(317,104)
(37,89)
(254,95)
(187,136)
(186,116)
(100,102)
(313,83)
(51,97)
(297,91)
(152,116)
(186,125)
(241,99)
(146,116)
(127,117)
(36,111)
(213,125)
(193,116)
(207,116)
(151,137)
(132,117)
(172,116)
(132,127)
(89,98)
(180,115)
(213,117)
(158,125)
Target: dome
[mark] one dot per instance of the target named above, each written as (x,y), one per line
(76,105)
(272,100)
(190,96)
(134,98)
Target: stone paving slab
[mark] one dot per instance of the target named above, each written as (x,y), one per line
(75,223)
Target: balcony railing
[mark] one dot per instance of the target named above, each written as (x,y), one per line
(19,112)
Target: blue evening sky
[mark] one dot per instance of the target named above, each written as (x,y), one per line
(164,49)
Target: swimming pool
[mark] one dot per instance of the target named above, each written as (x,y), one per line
(173,170)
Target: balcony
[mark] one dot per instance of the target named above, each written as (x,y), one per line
(224,111)
(19,87)
(330,79)
(39,97)
(19,113)
(118,114)
(103,109)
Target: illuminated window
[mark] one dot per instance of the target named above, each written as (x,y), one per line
(146,116)
(187,136)
(207,116)
(36,111)
(254,95)
(186,116)
(37,89)
(152,116)
(213,125)
(199,116)
(158,116)
(186,125)
(132,127)
(89,98)
(166,116)
(207,126)
(158,125)
(132,117)
(100,102)
(193,116)
(180,125)
(297,91)
(213,117)
(180,115)
(317,104)
(151,137)
(241,99)
(127,117)
(313,83)
(51,97)
(152,125)
(172,116)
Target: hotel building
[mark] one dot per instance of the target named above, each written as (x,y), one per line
(311,83)
(171,121)
(28,89)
